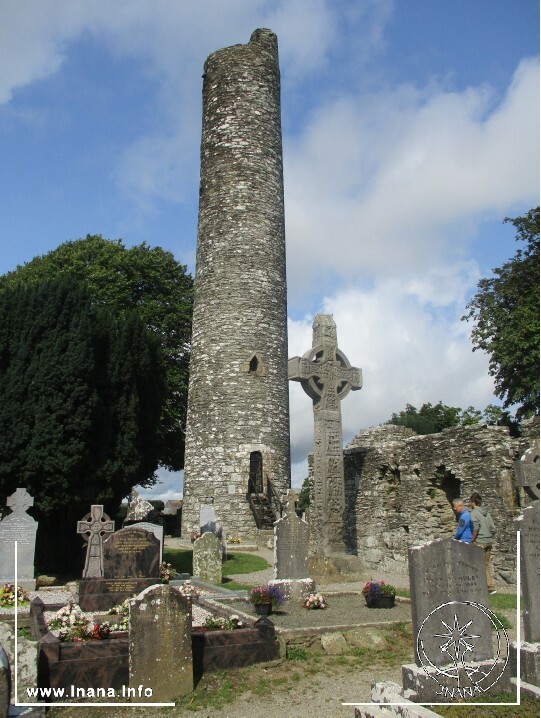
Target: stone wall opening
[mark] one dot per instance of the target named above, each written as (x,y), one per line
(255,480)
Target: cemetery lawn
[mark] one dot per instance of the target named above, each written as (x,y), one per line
(529,708)
(236,563)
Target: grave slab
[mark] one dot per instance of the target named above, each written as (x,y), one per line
(160,644)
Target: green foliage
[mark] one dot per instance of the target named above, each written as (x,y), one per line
(296,653)
(428,419)
(142,280)
(304,495)
(81,394)
(506,315)
(432,419)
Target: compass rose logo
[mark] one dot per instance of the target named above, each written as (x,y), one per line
(448,648)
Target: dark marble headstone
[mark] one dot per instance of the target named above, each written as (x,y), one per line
(21,528)
(447,584)
(131,552)
(207,519)
(291,547)
(160,641)
(528,524)
(131,562)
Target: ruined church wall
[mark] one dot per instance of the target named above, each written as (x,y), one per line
(238,388)
(399,489)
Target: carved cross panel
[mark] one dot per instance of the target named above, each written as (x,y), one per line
(93,528)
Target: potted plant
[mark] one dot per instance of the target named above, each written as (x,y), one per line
(379,594)
(265,598)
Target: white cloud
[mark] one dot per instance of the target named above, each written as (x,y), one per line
(388,184)
(408,351)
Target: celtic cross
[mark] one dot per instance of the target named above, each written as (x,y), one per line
(20,501)
(327,377)
(93,528)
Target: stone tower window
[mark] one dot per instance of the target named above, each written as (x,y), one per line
(254,366)
(255,485)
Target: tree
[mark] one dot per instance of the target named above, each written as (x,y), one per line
(304,495)
(428,419)
(144,280)
(506,315)
(81,394)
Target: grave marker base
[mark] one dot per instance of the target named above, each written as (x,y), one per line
(101,594)
(422,688)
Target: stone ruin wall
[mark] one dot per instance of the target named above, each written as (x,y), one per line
(399,488)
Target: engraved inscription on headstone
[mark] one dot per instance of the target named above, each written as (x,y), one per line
(528,524)
(21,528)
(131,552)
(155,529)
(327,377)
(449,572)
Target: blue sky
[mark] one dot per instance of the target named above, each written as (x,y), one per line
(411,128)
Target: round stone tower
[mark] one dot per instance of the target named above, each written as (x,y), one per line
(237,435)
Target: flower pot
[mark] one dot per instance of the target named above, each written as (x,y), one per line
(381,602)
(263,609)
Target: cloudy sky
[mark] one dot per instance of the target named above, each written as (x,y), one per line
(411,129)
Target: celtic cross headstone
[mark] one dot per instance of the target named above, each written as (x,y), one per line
(327,377)
(18,527)
(93,528)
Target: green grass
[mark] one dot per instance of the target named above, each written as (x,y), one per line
(528,708)
(503,620)
(296,653)
(243,563)
(502,601)
(180,559)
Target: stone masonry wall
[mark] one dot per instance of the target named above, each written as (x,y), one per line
(406,483)
(238,390)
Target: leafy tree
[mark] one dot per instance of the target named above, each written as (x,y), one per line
(144,280)
(304,495)
(506,315)
(81,394)
(428,419)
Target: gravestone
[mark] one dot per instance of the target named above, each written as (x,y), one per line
(528,524)
(156,529)
(327,377)
(291,543)
(21,528)
(452,625)
(160,644)
(5,683)
(530,649)
(207,558)
(138,508)
(207,517)
(118,566)
(290,571)
(527,470)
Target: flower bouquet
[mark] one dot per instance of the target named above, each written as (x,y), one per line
(379,594)
(7,596)
(218,623)
(267,597)
(166,571)
(314,600)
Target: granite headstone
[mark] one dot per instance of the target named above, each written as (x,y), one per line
(447,578)
(207,558)
(291,535)
(21,528)
(528,524)
(160,644)
(156,529)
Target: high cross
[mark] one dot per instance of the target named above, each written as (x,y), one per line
(327,377)
(93,528)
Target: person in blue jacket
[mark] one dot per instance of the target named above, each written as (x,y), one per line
(464,530)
